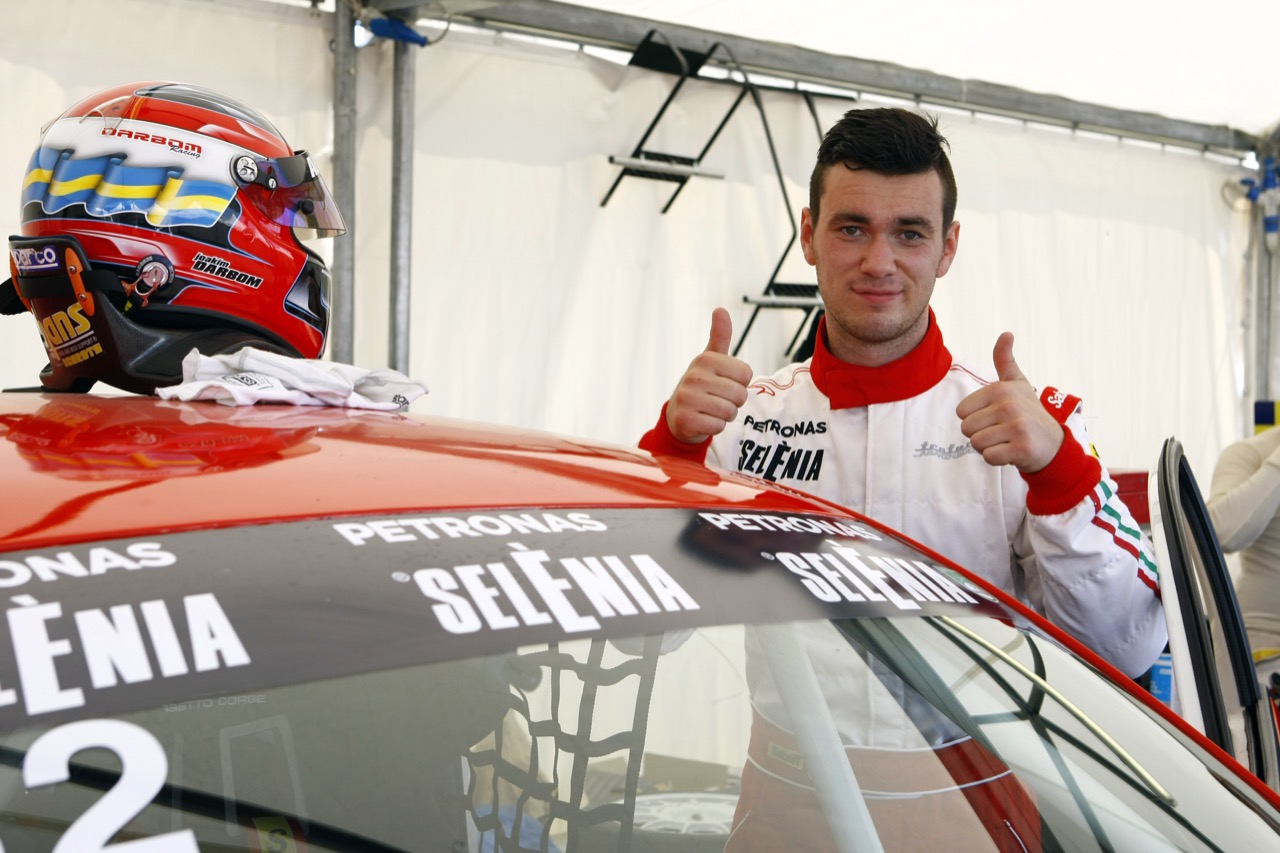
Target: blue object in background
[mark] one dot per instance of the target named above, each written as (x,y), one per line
(1162,679)
(530,830)
(1267,194)
(1264,415)
(1270,205)
(393,28)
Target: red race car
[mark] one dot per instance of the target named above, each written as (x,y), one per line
(279,628)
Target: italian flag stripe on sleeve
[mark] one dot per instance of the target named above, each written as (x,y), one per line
(1110,519)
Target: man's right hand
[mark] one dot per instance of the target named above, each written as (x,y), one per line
(711,390)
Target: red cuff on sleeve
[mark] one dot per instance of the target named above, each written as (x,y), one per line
(1059,404)
(1068,478)
(660,441)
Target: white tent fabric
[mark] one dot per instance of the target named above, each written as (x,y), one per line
(1119,267)
(1212,65)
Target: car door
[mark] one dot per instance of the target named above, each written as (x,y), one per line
(1214,686)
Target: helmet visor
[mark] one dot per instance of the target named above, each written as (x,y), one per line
(290,191)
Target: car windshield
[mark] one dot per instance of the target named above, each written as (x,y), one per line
(899,733)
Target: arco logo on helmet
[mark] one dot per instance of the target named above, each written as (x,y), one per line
(40,259)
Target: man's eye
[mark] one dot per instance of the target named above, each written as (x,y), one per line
(851,230)
(912,236)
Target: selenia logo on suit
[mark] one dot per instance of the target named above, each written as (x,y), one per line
(779,461)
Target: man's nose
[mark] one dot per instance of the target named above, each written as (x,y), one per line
(879,259)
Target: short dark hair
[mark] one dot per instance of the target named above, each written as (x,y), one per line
(888,141)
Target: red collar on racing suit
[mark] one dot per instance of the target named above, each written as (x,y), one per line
(850,385)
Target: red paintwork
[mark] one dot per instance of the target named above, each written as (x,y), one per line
(82,467)
(124,102)
(1133,491)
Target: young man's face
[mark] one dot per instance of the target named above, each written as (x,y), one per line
(878,246)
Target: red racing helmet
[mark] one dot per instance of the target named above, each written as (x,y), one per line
(158,218)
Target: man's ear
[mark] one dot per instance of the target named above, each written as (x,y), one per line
(806,236)
(949,244)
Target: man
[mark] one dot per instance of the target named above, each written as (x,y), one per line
(882,419)
(1244,504)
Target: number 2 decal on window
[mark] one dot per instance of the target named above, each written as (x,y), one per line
(143,769)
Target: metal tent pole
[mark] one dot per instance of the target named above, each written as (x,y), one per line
(342,303)
(1267,243)
(401,203)
(1262,327)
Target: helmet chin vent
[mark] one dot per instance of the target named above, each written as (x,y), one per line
(89,335)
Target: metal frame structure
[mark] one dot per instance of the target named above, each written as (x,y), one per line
(607,29)
(658,53)
(594,27)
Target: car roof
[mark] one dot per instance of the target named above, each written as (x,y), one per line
(82,467)
(299,544)
(363,534)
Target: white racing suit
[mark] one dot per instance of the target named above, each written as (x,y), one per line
(886,442)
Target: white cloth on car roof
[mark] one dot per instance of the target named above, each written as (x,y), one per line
(250,376)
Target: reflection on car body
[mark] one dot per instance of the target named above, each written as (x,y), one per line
(284,629)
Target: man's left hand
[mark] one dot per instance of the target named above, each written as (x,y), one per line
(1005,421)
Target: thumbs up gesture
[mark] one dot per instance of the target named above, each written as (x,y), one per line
(1005,421)
(709,394)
